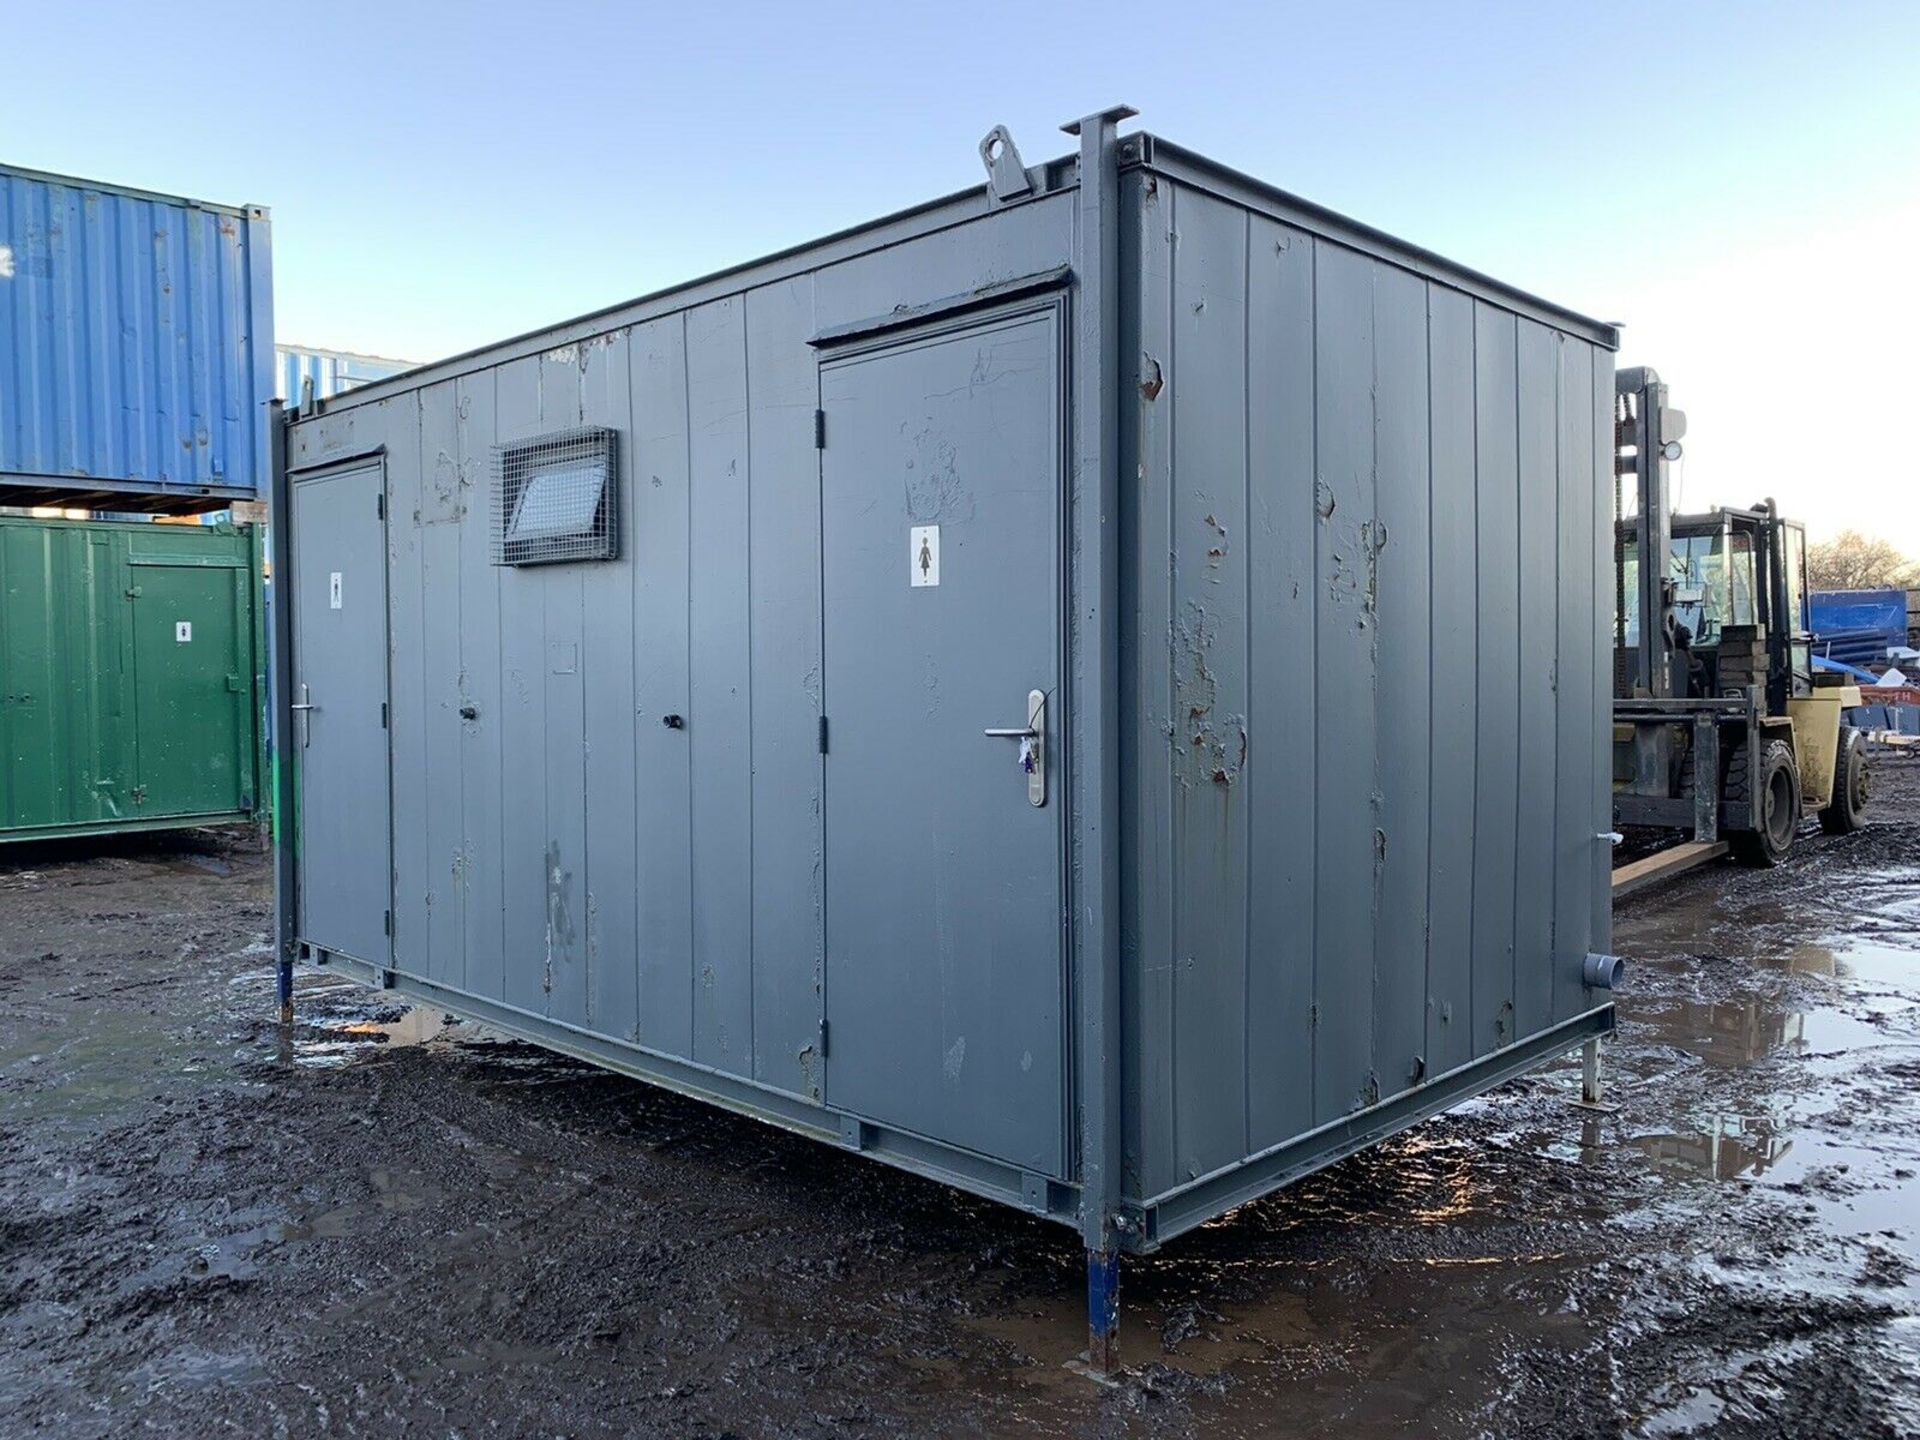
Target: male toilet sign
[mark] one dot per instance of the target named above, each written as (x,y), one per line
(923,555)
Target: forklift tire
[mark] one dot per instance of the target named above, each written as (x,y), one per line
(1848,810)
(1777,777)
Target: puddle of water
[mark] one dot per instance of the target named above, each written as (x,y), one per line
(1730,1147)
(329,1225)
(195,1370)
(1878,961)
(401,1192)
(342,1039)
(490,1355)
(1732,1033)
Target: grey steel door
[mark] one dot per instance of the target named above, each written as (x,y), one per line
(941,499)
(339,739)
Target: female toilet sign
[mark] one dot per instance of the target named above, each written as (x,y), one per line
(923,555)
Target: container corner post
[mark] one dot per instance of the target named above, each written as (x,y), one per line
(280,759)
(1103,1311)
(1094,562)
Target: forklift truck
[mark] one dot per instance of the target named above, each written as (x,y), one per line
(1720,724)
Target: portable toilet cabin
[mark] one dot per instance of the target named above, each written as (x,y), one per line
(1091,690)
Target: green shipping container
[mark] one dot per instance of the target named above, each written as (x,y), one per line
(132,676)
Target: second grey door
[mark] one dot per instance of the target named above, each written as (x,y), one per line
(339,740)
(941,543)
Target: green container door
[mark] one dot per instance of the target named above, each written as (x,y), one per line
(132,664)
(194,691)
(66,745)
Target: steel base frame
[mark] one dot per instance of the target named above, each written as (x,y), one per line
(104,828)
(1140,1227)
(963,1169)
(1153,1222)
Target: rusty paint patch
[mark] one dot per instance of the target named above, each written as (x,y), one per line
(1153,382)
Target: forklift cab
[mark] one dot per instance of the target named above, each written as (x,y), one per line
(1739,700)
(1729,574)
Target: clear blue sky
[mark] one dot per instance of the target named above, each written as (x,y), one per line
(1740,184)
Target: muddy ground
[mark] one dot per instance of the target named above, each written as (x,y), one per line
(385,1224)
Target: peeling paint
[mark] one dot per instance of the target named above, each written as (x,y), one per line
(933,489)
(560,933)
(1217,551)
(1216,745)
(1154,382)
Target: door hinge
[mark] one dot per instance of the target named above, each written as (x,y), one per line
(819,429)
(823,734)
(386,921)
(823,1039)
(383,714)
(380,506)
(138,794)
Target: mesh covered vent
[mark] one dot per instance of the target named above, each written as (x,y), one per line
(557,497)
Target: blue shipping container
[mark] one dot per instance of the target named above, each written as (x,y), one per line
(1858,626)
(136,347)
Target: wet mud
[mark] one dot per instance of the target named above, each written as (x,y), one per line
(386,1223)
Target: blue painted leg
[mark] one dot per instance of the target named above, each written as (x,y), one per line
(285,986)
(1103,1311)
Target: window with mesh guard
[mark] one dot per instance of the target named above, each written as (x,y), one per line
(557,497)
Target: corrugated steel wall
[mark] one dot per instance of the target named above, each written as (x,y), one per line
(680,871)
(1363,764)
(135,337)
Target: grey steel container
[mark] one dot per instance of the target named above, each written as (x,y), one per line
(1297,533)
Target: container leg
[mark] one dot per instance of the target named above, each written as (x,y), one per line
(1103,1312)
(1593,1088)
(284,984)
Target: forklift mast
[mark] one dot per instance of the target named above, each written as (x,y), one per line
(1648,427)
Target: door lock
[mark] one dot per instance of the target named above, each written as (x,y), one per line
(1033,746)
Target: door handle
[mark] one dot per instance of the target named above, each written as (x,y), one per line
(303,708)
(1033,746)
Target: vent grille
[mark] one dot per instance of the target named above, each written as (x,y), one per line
(557,498)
